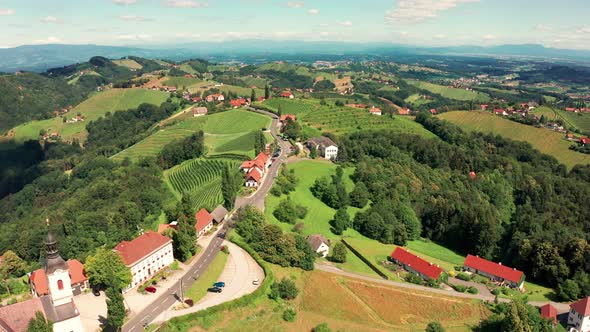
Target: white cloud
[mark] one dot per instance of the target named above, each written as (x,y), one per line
(124,2)
(347,24)
(416,11)
(583,30)
(135,18)
(134,37)
(440,36)
(313,11)
(51,19)
(543,28)
(49,40)
(489,36)
(296,4)
(7,12)
(186,4)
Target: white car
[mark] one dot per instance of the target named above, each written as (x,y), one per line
(256,281)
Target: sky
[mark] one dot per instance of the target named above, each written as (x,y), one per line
(561,24)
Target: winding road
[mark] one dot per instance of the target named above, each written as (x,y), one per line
(172,295)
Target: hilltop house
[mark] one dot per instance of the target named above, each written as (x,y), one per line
(579,316)
(495,271)
(375,111)
(287,94)
(200,111)
(325,147)
(79,281)
(145,256)
(415,264)
(319,244)
(204,222)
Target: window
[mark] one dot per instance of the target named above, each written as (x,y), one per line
(60,285)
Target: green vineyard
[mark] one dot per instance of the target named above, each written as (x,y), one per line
(290,106)
(201,179)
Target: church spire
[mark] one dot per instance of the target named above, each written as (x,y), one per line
(54,260)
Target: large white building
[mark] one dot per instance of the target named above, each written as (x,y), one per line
(145,256)
(579,315)
(325,147)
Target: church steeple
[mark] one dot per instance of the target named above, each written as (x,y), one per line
(54,260)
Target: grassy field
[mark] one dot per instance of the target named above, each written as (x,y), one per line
(578,120)
(91,109)
(201,179)
(451,93)
(416,99)
(512,92)
(179,82)
(225,132)
(131,64)
(544,140)
(185,67)
(199,289)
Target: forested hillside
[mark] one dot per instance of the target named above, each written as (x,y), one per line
(478,194)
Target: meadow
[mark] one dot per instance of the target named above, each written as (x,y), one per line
(451,93)
(129,63)
(198,290)
(200,179)
(546,141)
(230,132)
(91,109)
(180,82)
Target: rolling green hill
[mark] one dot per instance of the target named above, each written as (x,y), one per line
(544,140)
(451,93)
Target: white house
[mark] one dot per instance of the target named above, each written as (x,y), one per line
(319,244)
(579,316)
(145,256)
(375,111)
(325,147)
(204,222)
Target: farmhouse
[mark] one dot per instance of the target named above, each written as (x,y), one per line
(579,315)
(484,107)
(415,264)
(325,146)
(253,178)
(433,111)
(235,103)
(79,281)
(286,117)
(495,271)
(200,111)
(145,256)
(549,312)
(584,141)
(219,214)
(500,112)
(375,111)
(319,244)
(404,111)
(204,222)
(287,94)
(215,97)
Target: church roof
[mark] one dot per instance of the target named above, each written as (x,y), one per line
(54,260)
(59,313)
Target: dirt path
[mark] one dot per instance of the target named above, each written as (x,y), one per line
(389,102)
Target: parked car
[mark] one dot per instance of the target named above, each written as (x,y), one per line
(215,290)
(256,281)
(150,289)
(219,284)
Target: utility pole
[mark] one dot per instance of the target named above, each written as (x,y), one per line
(181,291)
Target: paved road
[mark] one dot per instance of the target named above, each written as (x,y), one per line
(170,296)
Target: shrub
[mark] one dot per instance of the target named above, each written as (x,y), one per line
(460,288)
(174,266)
(339,253)
(323,327)
(289,315)
(225,249)
(414,278)
(434,327)
(496,291)
(463,276)
(284,289)
(472,290)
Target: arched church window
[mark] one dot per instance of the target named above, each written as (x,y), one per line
(60,285)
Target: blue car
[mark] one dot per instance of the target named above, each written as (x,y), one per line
(219,284)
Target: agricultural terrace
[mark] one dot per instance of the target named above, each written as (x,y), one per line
(256,81)
(451,93)
(91,109)
(129,63)
(201,179)
(580,121)
(230,132)
(546,141)
(185,67)
(180,82)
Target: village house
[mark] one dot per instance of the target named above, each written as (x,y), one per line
(286,117)
(253,178)
(495,271)
(204,222)
(325,146)
(550,313)
(584,141)
(433,111)
(375,111)
(500,112)
(579,315)
(79,281)
(287,94)
(255,169)
(196,99)
(319,244)
(235,103)
(215,97)
(484,107)
(261,99)
(219,214)
(199,111)
(404,111)
(415,264)
(145,256)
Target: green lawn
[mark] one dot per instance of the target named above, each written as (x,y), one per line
(129,63)
(451,93)
(546,141)
(225,132)
(92,109)
(578,120)
(416,99)
(199,289)
(180,82)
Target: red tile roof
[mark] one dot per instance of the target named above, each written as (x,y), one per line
(585,140)
(375,110)
(433,111)
(203,218)
(286,94)
(17,316)
(247,164)
(261,160)
(284,117)
(404,111)
(492,268)
(255,175)
(140,247)
(416,263)
(237,102)
(549,312)
(163,227)
(582,306)
(261,99)
(76,271)
(39,280)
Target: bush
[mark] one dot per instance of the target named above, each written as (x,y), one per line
(323,327)
(289,315)
(284,289)
(460,288)
(496,291)
(414,279)
(472,290)
(463,276)
(339,253)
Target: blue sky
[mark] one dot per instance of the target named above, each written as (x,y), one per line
(552,23)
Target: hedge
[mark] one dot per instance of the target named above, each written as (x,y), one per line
(184,323)
(366,261)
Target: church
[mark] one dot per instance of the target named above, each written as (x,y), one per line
(57,306)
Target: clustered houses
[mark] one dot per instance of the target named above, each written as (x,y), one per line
(579,316)
(495,271)
(415,264)
(235,103)
(324,146)
(254,170)
(145,256)
(215,97)
(577,110)
(169,88)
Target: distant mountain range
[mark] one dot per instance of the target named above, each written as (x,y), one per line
(42,57)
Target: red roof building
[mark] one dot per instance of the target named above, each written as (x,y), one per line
(253,178)
(433,111)
(79,280)
(287,94)
(16,317)
(404,111)
(584,140)
(284,117)
(204,222)
(570,109)
(496,271)
(237,102)
(375,111)
(142,246)
(484,107)
(500,112)
(416,264)
(582,306)
(549,312)
(261,98)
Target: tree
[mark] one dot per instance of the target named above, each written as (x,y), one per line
(253,96)
(323,327)
(185,207)
(12,266)
(284,289)
(115,308)
(259,142)
(313,152)
(359,196)
(435,327)
(339,252)
(40,324)
(341,221)
(183,240)
(266,92)
(280,110)
(229,187)
(568,290)
(106,269)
